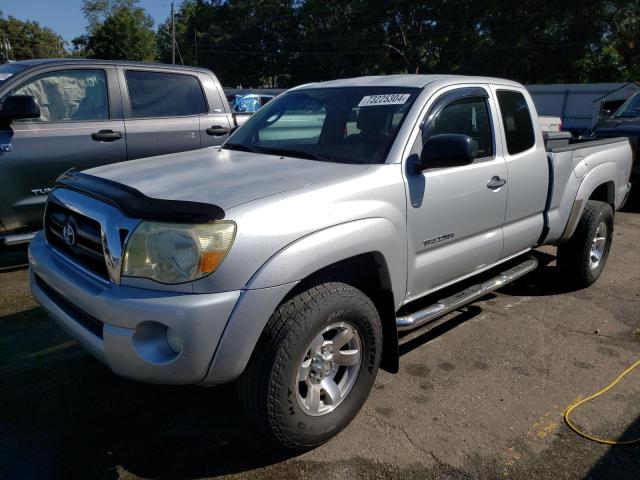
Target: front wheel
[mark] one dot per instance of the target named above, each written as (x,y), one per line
(314,365)
(583,257)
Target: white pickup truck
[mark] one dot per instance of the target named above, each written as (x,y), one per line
(300,254)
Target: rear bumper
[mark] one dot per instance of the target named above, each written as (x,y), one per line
(126,328)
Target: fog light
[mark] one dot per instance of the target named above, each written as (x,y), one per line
(174,341)
(156,343)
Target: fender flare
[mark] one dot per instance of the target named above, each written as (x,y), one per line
(284,270)
(324,247)
(601,174)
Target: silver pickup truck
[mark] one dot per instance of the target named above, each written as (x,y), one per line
(338,223)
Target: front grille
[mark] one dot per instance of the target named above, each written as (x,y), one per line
(86,246)
(87,321)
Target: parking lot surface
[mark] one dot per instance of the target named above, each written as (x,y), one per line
(481,397)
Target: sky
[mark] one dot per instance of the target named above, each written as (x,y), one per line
(65,16)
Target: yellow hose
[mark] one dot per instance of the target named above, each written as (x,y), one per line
(607,388)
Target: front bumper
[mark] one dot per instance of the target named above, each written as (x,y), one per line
(125,327)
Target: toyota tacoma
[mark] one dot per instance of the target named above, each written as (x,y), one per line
(342,220)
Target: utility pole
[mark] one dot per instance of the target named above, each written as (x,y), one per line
(173,36)
(6,47)
(195,40)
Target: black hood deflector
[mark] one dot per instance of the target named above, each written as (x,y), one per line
(133,203)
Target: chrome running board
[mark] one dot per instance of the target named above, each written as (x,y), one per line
(442,307)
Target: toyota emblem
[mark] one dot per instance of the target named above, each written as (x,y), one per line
(69,233)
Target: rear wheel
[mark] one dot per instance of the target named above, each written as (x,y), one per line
(583,257)
(314,365)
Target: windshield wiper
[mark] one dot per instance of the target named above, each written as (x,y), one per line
(285,152)
(239,146)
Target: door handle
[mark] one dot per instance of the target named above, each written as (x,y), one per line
(106,136)
(496,182)
(217,131)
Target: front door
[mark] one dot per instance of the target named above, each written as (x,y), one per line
(79,127)
(455,214)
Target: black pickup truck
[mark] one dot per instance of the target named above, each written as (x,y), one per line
(625,122)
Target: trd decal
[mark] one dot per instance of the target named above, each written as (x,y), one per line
(441,238)
(41,191)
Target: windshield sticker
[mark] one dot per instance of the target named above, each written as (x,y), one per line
(389,99)
(4,76)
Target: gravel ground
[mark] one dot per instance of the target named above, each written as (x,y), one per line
(480,397)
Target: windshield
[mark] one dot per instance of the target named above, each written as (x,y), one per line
(355,125)
(630,108)
(7,70)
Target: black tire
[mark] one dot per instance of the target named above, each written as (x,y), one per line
(574,256)
(267,386)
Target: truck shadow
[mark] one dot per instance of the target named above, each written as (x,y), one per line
(64,415)
(620,461)
(13,258)
(455,319)
(545,280)
(633,203)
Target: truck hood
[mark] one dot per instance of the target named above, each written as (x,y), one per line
(221,177)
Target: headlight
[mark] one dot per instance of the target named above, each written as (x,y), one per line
(176,252)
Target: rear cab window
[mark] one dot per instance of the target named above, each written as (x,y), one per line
(160,94)
(516,119)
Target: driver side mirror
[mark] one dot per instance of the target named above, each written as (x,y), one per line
(448,150)
(17,107)
(604,114)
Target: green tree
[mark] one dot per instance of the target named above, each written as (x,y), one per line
(126,34)
(25,40)
(243,42)
(96,12)
(286,42)
(194,26)
(623,36)
(539,41)
(339,39)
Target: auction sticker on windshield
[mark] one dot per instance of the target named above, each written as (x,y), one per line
(387,99)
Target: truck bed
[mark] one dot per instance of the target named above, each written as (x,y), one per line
(570,162)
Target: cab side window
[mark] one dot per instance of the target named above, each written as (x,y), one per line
(516,119)
(68,96)
(159,94)
(466,116)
